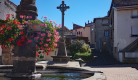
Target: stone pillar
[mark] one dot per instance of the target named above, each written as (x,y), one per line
(24,58)
(27,8)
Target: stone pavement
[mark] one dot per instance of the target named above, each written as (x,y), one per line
(119,73)
(113,69)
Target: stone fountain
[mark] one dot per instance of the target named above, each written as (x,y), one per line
(24,56)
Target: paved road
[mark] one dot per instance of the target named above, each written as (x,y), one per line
(101,59)
(113,69)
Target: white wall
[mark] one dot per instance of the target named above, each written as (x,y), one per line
(92,34)
(122,28)
(4,9)
(131,54)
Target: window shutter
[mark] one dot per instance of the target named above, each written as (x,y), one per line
(134,13)
(134,30)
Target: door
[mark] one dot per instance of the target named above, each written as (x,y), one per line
(104,47)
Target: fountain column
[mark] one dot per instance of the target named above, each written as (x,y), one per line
(24,56)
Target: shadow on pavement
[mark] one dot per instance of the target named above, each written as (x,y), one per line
(104,60)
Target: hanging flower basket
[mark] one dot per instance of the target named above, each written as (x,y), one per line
(14,33)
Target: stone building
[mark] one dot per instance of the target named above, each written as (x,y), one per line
(123,25)
(7,7)
(101,34)
(92,33)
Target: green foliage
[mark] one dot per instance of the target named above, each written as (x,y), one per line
(84,49)
(76,46)
(84,56)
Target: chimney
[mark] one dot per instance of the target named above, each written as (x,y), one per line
(88,21)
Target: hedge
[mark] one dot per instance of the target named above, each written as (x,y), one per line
(84,56)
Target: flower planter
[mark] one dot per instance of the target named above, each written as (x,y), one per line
(35,27)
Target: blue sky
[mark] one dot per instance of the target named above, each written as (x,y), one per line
(80,10)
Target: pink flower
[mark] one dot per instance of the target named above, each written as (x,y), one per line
(30,41)
(30,17)
(35,38)
(41,39)
(41,43)
(48,35)
(46,45)
(57,33)
(56,40)
(21,16)
(45,25)
(59,25)
(48,48)
(55,36)
(48,39)
(27,17)
(43,34)
(47,31)
(25,22)
(38,32)
(45,17)
(51,21)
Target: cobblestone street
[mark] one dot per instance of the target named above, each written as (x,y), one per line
(112,68)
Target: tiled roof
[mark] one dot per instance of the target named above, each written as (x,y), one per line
(75,26)
(119,3)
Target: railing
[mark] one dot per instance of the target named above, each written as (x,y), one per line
(132,47)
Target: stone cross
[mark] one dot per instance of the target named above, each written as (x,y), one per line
(63,8)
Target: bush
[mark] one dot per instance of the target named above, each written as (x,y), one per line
(76,46)
(84,49)
(84,56)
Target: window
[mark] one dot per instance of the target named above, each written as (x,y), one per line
(77,33)
(134,13)
(106,33)
(134,31)
(105,21)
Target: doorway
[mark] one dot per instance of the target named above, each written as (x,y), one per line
(103,46)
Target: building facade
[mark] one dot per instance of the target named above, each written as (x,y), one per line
(123,25)
(7,7)
(101,34)
(82,32)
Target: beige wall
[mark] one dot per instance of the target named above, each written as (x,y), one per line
(122,28)
(85,32)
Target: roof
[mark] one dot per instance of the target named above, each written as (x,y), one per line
(75,26)
(119,3)
(100,18)
(122,3)
(12,3)
(66,29)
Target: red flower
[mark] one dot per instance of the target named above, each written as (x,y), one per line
(19,44)
(7,16)
(10,39)
(15,34)
(23,37)
(37,54)
(9,28)
(22,33)
(3,26)
(30,41)
(12,14)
